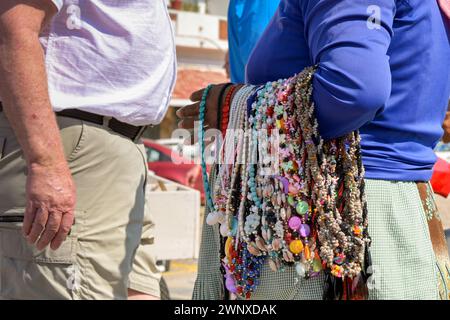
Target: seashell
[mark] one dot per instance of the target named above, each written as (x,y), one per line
(274,198)
(288,256)
(264,235)
(273,265)
(276,244)
(269,235)
(283,213)
(253,249)
(221,217)
(279,229)
(288,213)
(279,200)
(212,218)
(260,244)
(224,231)
(259,192)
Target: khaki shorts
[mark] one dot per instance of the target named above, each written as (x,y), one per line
(109,248)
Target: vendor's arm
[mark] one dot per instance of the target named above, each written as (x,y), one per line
(446,126)
(353,80)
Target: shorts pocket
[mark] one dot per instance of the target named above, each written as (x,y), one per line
(27,273)
(73,136)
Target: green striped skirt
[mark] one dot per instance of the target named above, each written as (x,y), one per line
(404,263)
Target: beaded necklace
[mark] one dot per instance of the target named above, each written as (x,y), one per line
(302,206)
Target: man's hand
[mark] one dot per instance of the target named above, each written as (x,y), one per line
(50,194)
(136,295)
(50,205)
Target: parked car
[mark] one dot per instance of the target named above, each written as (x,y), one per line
(169,164)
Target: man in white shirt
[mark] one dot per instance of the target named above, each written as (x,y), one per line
(79,83)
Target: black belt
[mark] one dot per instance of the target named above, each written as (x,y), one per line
(132,132)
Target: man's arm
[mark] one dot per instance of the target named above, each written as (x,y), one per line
(24,92)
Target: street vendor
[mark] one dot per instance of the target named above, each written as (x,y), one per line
(376,73)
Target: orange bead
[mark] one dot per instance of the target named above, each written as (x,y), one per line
(307,252)
(296,247)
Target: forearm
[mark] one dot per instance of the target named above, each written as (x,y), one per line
(26,103)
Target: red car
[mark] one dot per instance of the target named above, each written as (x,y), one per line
(168,164)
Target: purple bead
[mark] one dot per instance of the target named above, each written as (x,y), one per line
(295,223)
(231,286)
(285,183)
(305,230)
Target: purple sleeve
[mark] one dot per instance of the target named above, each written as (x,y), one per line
(349,39)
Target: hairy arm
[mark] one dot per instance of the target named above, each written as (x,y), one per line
(26,103)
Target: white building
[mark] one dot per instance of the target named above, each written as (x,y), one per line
(202,41)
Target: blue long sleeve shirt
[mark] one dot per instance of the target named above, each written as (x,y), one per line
(247,20)
(383,69)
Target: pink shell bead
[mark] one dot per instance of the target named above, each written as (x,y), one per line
(295,223)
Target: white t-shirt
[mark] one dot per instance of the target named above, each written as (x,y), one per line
(111,57)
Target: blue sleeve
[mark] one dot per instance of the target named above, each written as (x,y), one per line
(349,40)
(247,21)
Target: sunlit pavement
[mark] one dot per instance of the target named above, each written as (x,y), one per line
(181,278)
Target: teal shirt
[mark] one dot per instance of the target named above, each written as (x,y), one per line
(247,20)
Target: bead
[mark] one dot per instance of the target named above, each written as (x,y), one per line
(317,265)
(304,230)
(295,223)
(260,244)
(302,207)
(300,269)
(287,256)
(307,252)
(357,230)
(296,247)
(234,227)
(228,246)
(230,284)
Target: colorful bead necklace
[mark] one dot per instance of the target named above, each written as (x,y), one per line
(285,196)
